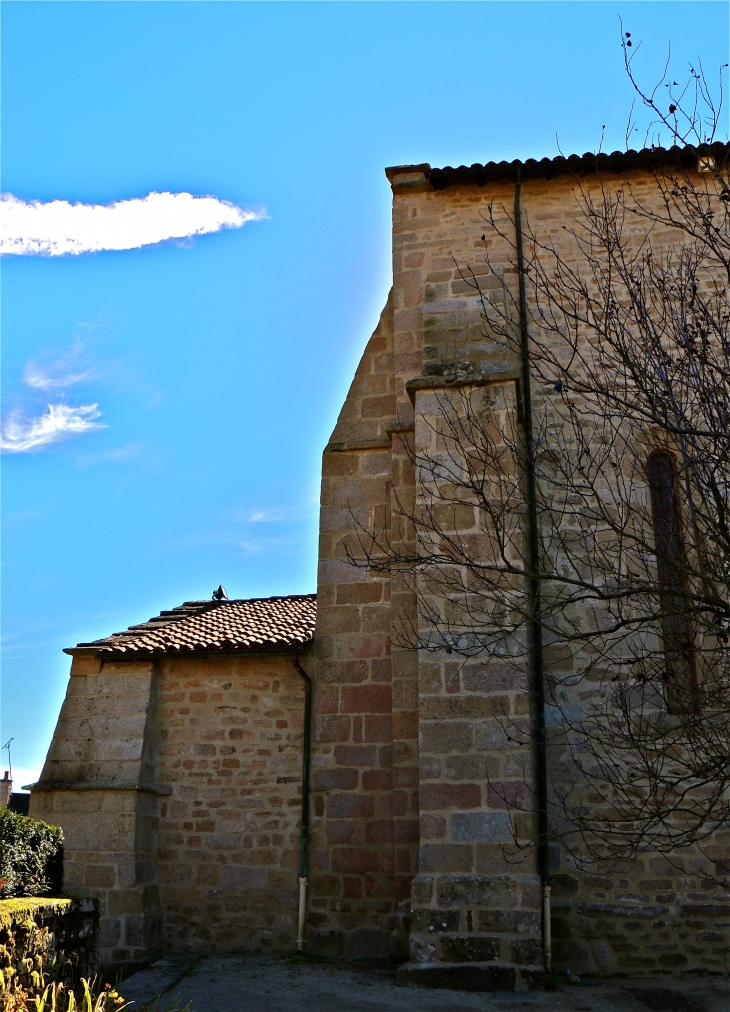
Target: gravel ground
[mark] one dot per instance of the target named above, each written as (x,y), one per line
(269,984)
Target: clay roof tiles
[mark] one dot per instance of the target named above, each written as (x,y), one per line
(531,168)
(268,623)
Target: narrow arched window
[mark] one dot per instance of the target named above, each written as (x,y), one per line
(677,631)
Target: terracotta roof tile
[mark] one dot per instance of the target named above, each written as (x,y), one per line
(267,623)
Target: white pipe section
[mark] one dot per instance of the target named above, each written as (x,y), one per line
(302,913)
(547,929)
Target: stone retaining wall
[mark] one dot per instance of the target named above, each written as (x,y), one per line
(36,932)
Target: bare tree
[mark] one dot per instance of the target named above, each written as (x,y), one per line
(625,464)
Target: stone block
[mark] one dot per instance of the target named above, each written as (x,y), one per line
(328,944)
(511,922)
(99,876)
(236,877)
(435,921)
(345,831)
(359,593)
(355,755)
(350,806)
(432,827)
(480,827)
(377,780)
(125,902)
(341,779)
(460,707)
(110,931)
(564,885)
(354,860)
(447,736)
(469,949)
(366,699)
(378,729)
(479,891)
(466,767)
(448,857)
(527,951)
(331,728)
(406,831)
(342,672)
(445,796)
(379,831)
(512,795)
(460,977)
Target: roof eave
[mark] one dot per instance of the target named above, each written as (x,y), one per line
(410,178)
(130,656)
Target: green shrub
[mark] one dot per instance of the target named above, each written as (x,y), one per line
(31,856)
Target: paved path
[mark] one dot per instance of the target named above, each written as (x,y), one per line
(270,984)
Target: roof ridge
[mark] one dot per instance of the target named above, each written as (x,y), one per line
(273,597)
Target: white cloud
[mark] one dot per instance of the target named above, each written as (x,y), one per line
(22,435)
(32,228)
(22,775)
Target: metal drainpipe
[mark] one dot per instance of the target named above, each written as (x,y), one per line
(304,838)
(534,609)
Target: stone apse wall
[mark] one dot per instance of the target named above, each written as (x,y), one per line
(407,829)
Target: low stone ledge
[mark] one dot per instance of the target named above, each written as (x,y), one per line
(487,977)
(99,785)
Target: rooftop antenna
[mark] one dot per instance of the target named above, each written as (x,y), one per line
(220,594)
(10,764)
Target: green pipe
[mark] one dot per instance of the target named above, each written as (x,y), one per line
(534,602)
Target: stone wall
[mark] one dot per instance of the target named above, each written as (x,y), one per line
(477,898)
(364,756)
(178,787)
(230,748)
(98,784)
(473,912)
(648,914)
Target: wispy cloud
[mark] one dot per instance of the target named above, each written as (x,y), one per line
(258,546)
(277,514)
(26,429)
(23,434)
(120,453)
(32,228)
(39,378)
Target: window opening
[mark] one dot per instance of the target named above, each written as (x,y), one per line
(677,632)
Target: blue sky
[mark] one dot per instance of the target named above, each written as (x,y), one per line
(218,364)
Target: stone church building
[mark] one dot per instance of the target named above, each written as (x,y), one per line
(176,769)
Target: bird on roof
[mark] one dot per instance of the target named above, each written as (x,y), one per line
(220,594)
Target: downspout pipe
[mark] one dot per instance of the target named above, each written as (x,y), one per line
(304,836)
(534,604)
